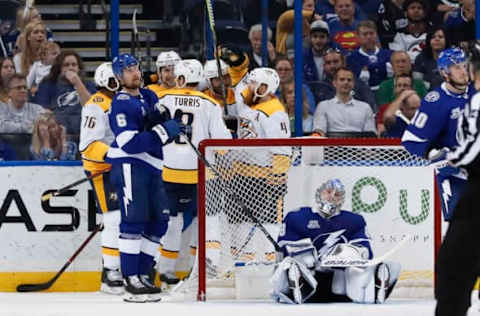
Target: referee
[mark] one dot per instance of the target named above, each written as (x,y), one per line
(457,264)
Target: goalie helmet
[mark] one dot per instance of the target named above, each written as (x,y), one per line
(210,69)
(103,75)
(329,197)
(170,58)
(266,76)
(449,57)
(190,69)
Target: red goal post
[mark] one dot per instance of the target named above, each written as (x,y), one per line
(394,175)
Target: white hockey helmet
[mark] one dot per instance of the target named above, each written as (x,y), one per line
(210,69)
(266,76)
(169,58)
(190,69)
(329,197)
(102,77)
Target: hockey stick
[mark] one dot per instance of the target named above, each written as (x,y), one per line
(48,196)
(49,283)
(211,21)
(232,193)
(339,263)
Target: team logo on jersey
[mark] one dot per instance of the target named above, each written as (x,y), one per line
(69,98)
(97,99)
(455,114)
(313,224)
(432,96)
(123,96)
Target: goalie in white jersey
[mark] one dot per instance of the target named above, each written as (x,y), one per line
(95,139)
(180,168)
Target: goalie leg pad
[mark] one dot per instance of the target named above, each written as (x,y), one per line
(293,282)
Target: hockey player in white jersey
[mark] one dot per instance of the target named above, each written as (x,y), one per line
(204,115)
(95,139)
(210,71)
(312,235)
(165,64)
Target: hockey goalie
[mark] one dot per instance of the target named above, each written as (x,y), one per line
(312,236)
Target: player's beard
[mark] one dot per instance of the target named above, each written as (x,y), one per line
(458,85)
(134,84)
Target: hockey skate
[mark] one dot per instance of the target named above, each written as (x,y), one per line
(169,280)
(139,290)
(112,282)
(386,276)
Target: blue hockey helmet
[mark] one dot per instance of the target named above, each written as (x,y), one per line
(449,57)
(121,62)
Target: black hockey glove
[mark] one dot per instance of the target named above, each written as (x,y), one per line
(157,115)
(231,54)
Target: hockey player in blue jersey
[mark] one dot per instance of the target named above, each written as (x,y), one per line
(433,130)
(141,127)
(311,235)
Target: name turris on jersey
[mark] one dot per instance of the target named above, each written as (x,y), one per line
(187,101)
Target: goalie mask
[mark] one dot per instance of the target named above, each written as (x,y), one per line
(329,198)
(264,76)
(104,76)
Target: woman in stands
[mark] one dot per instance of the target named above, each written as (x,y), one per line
(7,70)
(49,140)
(65,90)
(425,66)
(34,35)
(288,100)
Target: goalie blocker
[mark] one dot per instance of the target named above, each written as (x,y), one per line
(337,235)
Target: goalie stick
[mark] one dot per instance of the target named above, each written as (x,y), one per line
(49,283)
(48,196)
(230,191)
(339,263)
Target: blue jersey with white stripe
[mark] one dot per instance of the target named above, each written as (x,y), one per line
(434,126)
(133,142)
(346,227)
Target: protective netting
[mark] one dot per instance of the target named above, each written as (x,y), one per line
(390,188)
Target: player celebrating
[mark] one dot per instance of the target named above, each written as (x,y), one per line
(311,236)
(136,158)
(457,264)
(180,174)
(95,135)
(433,128)
(166,78)
(214,81)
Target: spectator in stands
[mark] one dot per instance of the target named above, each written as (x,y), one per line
(285,27)
(284,69)
(5,28)
(325,89)
(30,41)
(401,83)
(255,50)
(288,100)
(425,66)
(343,113)
(24,17)
(313,55)
(65,90)
(412,38)
(18,115)
(49,140)
(442,10)
(460,24)
(7,70)
(369,62)
(326,8)
(40,69)
(399,113)
(391,20)
(401,64)
(343,26)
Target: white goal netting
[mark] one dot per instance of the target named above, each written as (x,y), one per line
(391,189)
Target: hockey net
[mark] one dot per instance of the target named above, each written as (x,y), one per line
(394,191)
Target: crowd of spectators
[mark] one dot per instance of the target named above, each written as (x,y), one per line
(366,66)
